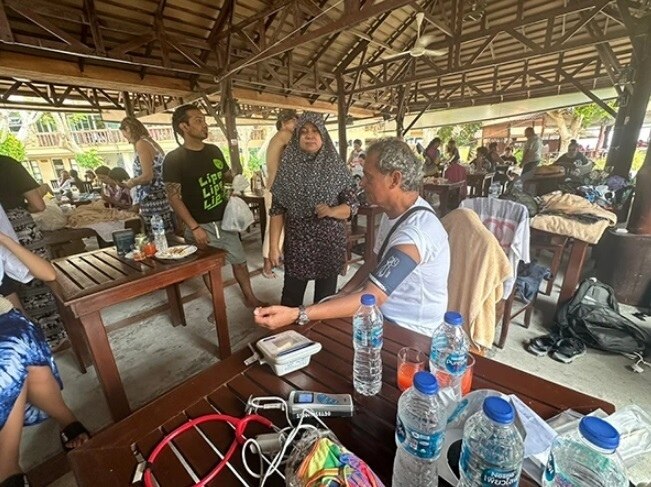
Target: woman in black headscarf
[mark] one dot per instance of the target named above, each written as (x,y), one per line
(313,195)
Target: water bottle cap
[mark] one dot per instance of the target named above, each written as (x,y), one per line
(453,318)
(368,300)
(426,383)
(499,410)
(599,432)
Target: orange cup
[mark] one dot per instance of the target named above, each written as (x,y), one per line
(410,361)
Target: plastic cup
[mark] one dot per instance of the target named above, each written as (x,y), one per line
(410,361)
(446,380)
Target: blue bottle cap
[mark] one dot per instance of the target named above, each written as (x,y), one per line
(599,432)
(498,410)
(453,318)
(368,300)
(426,383)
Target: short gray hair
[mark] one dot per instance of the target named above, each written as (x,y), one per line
(396,155)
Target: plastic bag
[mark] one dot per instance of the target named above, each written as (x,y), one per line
(52,218)
(237,215)
(240,184)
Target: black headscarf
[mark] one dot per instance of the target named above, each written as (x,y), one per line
(305,180)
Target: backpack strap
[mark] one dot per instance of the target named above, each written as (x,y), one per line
(400,221)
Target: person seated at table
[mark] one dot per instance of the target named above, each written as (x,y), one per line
(76,180)
(482,162)
(508,157)
(113,194)
(30,386)
(409,280)
(65,181)
(494,156)
(573,159)
(90,177)
(451,153)
(432,157)
(456,173)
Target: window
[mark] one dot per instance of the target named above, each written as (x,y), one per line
(74,165)
(34,170)
(57,165)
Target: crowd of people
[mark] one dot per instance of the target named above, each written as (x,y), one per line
(310,193)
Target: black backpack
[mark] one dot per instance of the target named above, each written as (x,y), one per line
(592,316)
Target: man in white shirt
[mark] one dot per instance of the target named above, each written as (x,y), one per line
(409,278)
(532,151)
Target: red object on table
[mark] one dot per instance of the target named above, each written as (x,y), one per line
(108,459)
(406,374)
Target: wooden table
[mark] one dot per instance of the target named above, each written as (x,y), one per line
(56,240)
(86,283)
(108,458)
(370,212)
(444,190)
(257,198)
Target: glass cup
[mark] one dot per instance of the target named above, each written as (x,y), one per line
(410,361)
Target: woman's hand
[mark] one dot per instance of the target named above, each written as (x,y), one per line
(273,317)
(274,256)
(323,211)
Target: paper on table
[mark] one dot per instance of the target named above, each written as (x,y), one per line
(539,434)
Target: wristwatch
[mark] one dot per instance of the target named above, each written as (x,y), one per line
(302,319)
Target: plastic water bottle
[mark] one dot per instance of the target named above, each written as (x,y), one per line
(492,450)
(494,190)
(367,342)
(586,457)
(158,231)
(420,431)
(448,358)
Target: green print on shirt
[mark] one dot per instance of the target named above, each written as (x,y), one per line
(212,188)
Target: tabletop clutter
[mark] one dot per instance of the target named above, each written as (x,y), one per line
(444,433)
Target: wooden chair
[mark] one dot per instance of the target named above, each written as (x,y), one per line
(542,241)
(506,307)
(355,234)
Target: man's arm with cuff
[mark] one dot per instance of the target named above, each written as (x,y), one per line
(398,263)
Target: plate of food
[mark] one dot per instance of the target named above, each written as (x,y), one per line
(177,252)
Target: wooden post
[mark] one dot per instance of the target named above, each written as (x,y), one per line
(128,106)
(230,113)
(640,219)
(341,117)
(624,144)
(400,125)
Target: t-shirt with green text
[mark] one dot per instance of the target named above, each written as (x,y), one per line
(201,175)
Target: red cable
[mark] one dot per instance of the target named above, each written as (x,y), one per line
(240,425)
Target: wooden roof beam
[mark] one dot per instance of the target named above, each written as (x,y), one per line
(5,29)
(38,68)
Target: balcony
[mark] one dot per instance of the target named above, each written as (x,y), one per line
(86,138)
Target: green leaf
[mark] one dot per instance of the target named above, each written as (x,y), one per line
(12,147)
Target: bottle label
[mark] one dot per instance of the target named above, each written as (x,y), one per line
(550,469)
(419,444)
(369,338)
(455,363)
(439,343)
(493,477)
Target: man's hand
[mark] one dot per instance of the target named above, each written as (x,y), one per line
(274,256)
(323,211)
(273,317)
(201,237)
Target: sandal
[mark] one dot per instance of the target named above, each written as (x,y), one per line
(542,345)
(72,432)
(568,349)
(17,480)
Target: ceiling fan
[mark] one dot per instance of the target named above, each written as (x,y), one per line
(420,46)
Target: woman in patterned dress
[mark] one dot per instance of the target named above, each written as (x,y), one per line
(313,195)
(20,197)
(147,170)
(30,386)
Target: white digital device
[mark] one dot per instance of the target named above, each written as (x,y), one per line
(287,351)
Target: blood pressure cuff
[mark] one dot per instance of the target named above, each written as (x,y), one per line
(394,268)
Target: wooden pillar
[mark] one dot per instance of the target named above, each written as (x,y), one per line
(230,114)
(342,116)
(622,149)
(128,106)
(640,219)
(400,125)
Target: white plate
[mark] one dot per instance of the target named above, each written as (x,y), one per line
(177,252)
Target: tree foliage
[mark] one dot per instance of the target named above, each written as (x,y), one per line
(89,159)
(571,121)
(11,146)
(464,134)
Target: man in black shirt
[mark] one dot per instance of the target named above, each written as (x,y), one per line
(194,176)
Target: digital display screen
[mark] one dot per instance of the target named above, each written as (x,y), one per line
(305,398)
